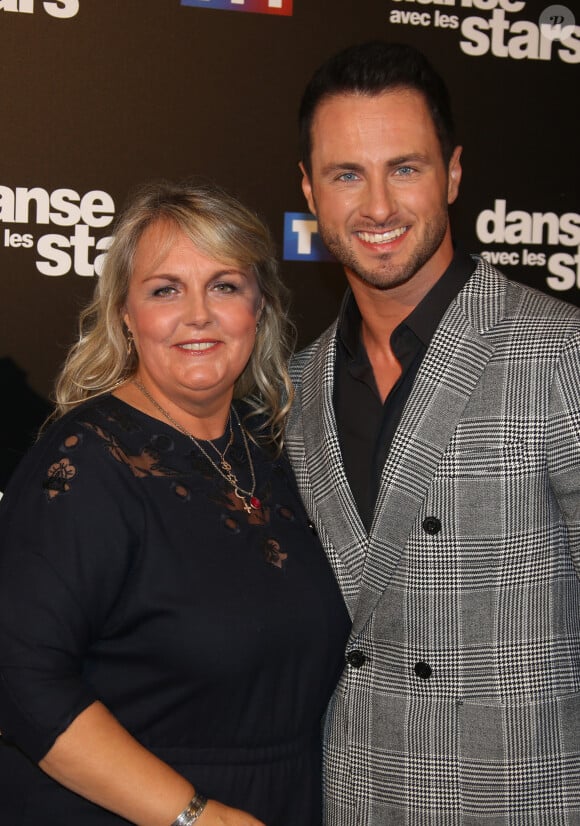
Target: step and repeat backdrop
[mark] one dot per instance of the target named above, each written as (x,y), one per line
(98,96)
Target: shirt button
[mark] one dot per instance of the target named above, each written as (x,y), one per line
(431,525)
(356,659)
(423,670)
(312,528)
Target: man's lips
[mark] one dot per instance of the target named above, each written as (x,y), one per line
(381,237)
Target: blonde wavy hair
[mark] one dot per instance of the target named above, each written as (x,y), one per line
(221,228)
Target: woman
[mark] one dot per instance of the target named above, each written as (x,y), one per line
(170,631)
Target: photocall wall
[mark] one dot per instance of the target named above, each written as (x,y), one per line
(99,96)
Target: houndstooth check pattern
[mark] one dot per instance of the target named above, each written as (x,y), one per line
(489,445)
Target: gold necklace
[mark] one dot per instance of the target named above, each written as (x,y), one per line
(247,497)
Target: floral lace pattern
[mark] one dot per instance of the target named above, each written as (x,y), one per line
(150,461)
(58,478)
(146,463)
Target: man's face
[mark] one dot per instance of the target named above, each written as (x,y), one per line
(380,188)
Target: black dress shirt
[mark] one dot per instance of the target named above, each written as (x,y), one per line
(366,425)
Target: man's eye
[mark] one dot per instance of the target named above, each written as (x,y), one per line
(348,176)
(405,170)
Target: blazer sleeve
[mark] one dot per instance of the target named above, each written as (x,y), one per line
(67,536)
(563,441)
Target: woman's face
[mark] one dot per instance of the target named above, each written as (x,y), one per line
(193,320)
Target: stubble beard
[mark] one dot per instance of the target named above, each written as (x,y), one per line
(385,274)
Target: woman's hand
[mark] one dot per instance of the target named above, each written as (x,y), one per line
(216,814)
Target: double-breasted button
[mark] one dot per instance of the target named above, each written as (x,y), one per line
(431,525)
(423,670)
(356,659)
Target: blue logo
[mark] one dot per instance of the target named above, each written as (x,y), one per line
(301,239)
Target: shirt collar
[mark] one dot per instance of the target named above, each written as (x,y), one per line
(424,318)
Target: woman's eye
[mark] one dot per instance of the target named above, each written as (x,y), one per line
(225,287)
(163,291)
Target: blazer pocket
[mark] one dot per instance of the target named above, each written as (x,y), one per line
(519,756)
(490,459)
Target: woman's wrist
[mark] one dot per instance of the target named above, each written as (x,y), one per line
(192,811)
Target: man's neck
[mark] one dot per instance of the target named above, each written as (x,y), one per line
(382,310)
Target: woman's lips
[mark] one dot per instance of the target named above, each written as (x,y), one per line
(197,346)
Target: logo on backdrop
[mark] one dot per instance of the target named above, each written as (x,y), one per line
(258,6)
(528,237)
(529,232)
(56,8)
(496,27)
(301,239)
(76,249)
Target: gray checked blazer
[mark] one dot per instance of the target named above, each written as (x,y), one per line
(460,698)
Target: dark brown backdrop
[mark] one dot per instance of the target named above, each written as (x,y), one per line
(98,96)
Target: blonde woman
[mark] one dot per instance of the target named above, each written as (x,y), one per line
(170,630)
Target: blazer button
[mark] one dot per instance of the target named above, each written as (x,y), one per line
(356,659)
(312,528)
(431,525)
(423,670)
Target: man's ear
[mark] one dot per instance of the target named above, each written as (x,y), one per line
(307,189)
(454,175)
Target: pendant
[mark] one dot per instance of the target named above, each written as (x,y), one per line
(255,503)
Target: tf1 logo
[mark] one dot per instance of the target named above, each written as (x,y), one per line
(301,239)
(258,6)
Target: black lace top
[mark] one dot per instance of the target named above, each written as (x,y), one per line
(131,573)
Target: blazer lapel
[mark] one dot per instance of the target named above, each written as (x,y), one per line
(450,371)
(331,493)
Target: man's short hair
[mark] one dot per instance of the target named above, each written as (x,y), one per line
(371,69)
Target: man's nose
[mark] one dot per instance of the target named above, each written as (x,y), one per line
(379,204)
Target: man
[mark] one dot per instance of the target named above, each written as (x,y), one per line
(436,439)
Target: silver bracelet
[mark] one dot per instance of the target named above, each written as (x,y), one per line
(192,811)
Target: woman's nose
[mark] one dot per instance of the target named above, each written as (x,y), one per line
(198,311)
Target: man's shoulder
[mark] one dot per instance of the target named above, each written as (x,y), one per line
(316,350)
(495,296)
